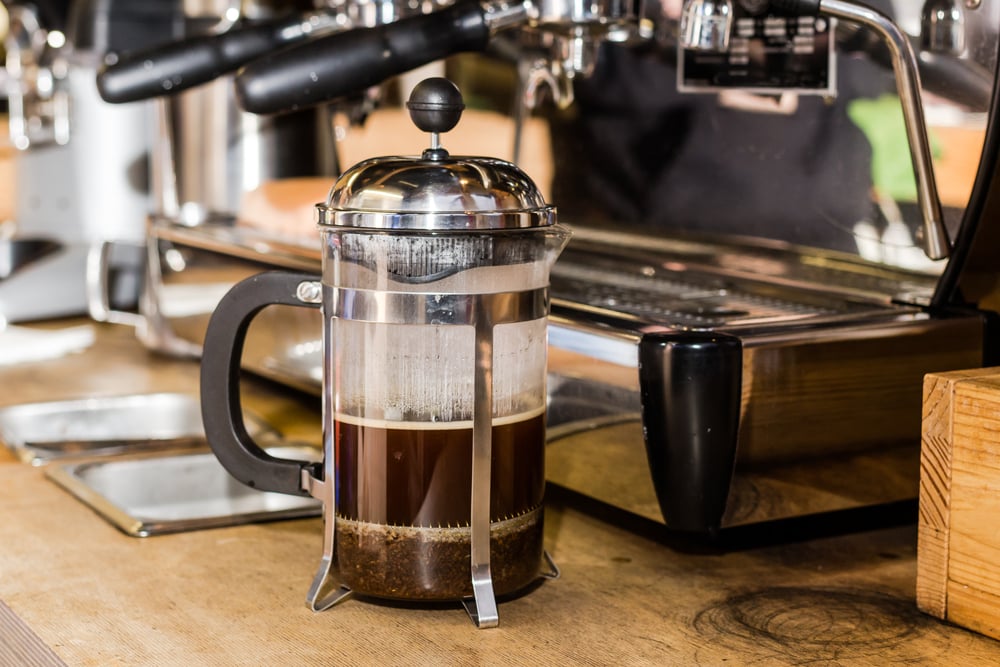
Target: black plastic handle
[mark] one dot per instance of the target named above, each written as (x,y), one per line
(691,384)
(178,66)
(336,65)
(220,383)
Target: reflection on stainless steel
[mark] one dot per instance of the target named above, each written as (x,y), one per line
(35,85)
(191,268)
(78,161)
(690,284)
(572,33)
(41,432)
(904,64)
(383,193)
(706,24)
(154,495)
(694,301)
(561,41)
(942,27)
(581,460)
(576,405)
(801,269)
(436,309)
(208,153)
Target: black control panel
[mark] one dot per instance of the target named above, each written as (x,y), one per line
(768,53)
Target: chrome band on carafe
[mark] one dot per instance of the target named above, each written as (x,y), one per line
(431,308)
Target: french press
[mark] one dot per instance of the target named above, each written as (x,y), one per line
(434,296)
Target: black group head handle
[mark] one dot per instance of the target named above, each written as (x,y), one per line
(349,62)
(178,66)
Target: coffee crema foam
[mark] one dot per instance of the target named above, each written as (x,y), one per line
(434,425)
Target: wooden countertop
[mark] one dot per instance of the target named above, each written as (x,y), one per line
(628,594)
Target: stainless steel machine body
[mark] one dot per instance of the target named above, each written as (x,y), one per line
(733,373)
(81,164)
(209,153)
(822,376)
(209,157)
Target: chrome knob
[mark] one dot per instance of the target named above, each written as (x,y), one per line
(942,27)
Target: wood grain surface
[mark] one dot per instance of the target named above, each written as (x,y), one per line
(958,576)
(21,647)
(629,594)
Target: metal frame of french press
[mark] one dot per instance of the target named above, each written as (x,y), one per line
(481,311)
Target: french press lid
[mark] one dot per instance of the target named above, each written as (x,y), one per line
(435,191)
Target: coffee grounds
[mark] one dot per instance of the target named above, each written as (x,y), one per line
(434,564)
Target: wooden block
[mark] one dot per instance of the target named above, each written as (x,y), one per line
(958,551)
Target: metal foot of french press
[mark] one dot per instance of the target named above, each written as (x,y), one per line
(482,607)
(325,591)
(553,571)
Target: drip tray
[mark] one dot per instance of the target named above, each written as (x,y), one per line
(170,493)
(42,432)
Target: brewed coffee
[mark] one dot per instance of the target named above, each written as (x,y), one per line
(404,501)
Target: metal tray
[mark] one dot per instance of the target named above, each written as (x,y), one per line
(168,493)
(41,432)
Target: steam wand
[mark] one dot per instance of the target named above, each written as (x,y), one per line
(706,24)
(934,236)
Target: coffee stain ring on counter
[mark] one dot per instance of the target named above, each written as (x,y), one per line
(812,622)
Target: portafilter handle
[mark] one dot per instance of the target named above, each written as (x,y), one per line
(337,65)
(178,66)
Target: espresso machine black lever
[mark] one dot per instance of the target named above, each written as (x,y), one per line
(184,64)
(336,65)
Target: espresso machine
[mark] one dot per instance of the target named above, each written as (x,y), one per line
(80,163)
(751,297)
(211,159)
